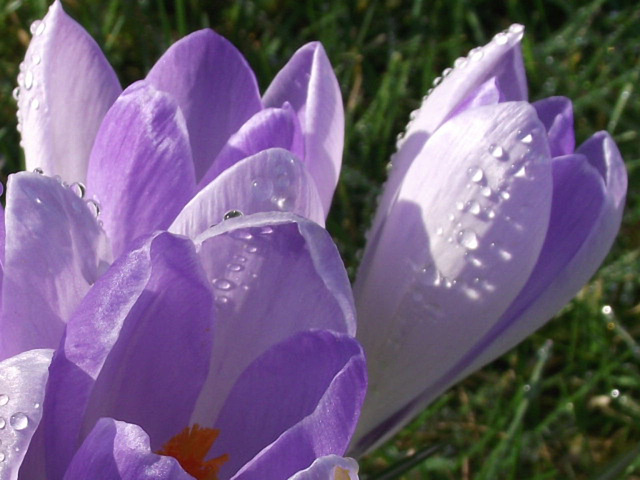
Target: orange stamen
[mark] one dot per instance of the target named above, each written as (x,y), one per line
(190,446)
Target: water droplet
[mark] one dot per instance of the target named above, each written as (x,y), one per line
(516,29)
(505,195)
(281,202)
(222,300)
(491,213)
(473,207)
(266,231)
(78,188)
(235,267)
(460,62)
(496,151)
(522,173)
(2,457)
(440,231)
(475,174)
(232,214)
(19,421)
(222,284)
(615,393)
(28,80)
(251,248)
(460,205)
(4,399)
(36,59)
(476,54)
(501,38)
(240,258)
(241,234)
(506,256)
(16,93)
(261,188)
(94,207)
(446,72)
(35,104)
(468,239)
(36,405)
(437,81)
(525,138)
(3,423)
(486,192)
(38,170)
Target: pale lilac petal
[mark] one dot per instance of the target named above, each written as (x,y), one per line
(55,250)
(487,93)
(272,180)
(66,87)
(330,467)
(318,406)
(269,128)
(137,348)
(308,83)
(556,114)
(22,385)
(2,240)
(293,378)
(120,451)
(214,87)
(586,215)
(141,171)
(499,61)
(276,274)
(463,236)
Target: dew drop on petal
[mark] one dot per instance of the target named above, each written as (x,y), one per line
(19,421)
(78,188)
(475,174)
(4,399)
(232,214)
(468,239)
(496,151)
(3,423)
(222,284)
(28,80)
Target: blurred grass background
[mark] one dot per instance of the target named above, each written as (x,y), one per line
(564,408)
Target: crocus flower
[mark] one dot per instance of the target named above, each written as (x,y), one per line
(177,150)
(229,356)
(489,223)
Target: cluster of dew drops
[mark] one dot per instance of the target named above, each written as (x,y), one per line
(27,79)
(18,421)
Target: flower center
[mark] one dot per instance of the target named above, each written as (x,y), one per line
(190,446)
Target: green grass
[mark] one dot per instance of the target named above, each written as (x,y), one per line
(529,415)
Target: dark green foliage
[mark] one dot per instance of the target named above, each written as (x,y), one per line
(570,412)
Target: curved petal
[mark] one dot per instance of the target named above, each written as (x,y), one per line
(55,250)
(137,348)
(214,87)
(585,218)
(487,93)
(276,274)
(308,83)
(315,418)
(120,451)
(556,114)
(272,180)
(331,467)
(313,368)
(500,60)
(269,128)
(471,216)
(22,383)
(66,87)
(141,171)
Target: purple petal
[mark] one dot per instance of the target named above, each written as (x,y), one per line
(137,348)
(323,378)
(121,451)
(329,467)
(471,217)
(141,171)
(66,87)
(276,274)
(308,83)
(585,218)
(486,94)
(272,180)
(22,383)
(214,87)
(269,128)
(556,114)
(2,241)
(55,251)
(499,61)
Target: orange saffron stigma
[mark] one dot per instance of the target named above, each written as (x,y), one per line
(190,446)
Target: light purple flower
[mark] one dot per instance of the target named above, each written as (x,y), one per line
(175,152)
(489,223)
(248,329)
